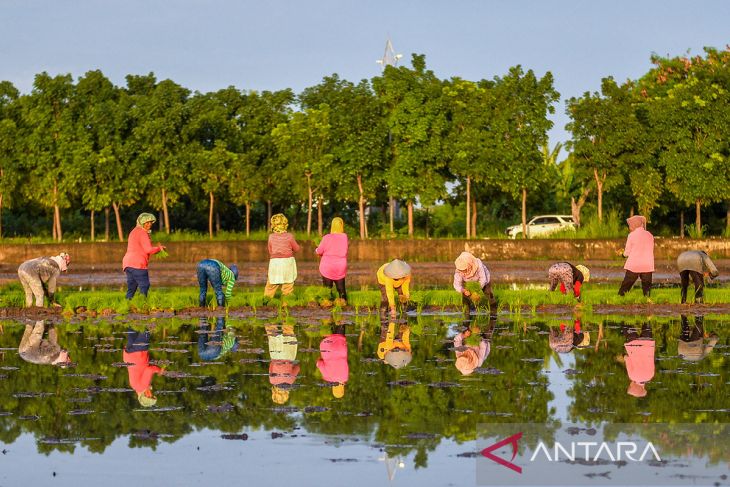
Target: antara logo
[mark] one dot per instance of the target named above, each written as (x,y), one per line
(487,452)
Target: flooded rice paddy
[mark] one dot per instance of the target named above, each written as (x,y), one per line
(341,401)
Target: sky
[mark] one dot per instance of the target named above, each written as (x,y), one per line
(206,45)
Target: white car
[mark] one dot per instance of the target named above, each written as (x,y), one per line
(543,225)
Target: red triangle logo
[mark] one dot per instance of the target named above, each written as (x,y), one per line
(487,452)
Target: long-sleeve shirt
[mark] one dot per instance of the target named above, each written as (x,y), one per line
(389,341)
(639,360)
(228,279)
(333,250)
(390,285)
(482,350)
(698,261)
(640,251)
(45,268)
(37,350)
(141,373)
(139,249)
(282,245)
(283,372)
(482,275)
(333,360)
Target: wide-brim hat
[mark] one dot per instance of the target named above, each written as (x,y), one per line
(397,269)
(398,358)
(585,271)
(690,351)
(146,402)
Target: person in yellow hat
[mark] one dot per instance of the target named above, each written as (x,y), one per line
(332,362)
(283,369)
(569,276)
(394,348)
(394,276)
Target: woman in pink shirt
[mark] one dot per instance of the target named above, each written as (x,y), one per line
(639,358)
(639,251)
(333,360)
(139,250)
(333,266)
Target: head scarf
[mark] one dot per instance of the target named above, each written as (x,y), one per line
(636,390)
(279,395)
(279,223)
(62,260)
(467,264)
(398,358)
(467,361)
(338,391)
(234,269)
(585,271)
(397,269)
(561,342)
(635,222)
(338,226)
(144,218)
(146,402)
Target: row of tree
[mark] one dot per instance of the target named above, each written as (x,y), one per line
(404,137)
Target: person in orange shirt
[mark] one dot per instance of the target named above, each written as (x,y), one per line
(136,353)
(639,358)
(137,258)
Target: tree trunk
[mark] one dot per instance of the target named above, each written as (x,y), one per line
(320,224)
(410,219)
(426,221)
(217,222)
(54,228)
(599,190)
(468,207)
(473,218)
(93,230)
(59,231)
(120,232)
(575,207)
(727,221)
(681,224)
(391,210)
(309,204)
(524,212)
(210,215)
(361,208)
(165,212)
(1,216)
(106,224)
(248,219)
(268,215)
(698,218)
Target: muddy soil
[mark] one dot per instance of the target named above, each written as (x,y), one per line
(438,274)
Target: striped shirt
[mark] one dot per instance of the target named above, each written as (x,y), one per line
(227,278)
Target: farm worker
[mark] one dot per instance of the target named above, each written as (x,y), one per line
(395,275)
(333,265)
(471,269)
(639,358)
(139,250)
(332,362)
(43,351)
(470,357)
(695,264)
(136,352)
(282,266)
(221,278)
(639,251)
(564,339)
(569,276)
(283,369)
(395,350)
(38,277)
(691,345)
(214,344)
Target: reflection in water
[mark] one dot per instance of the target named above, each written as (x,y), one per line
(394,348)
(405,413)
(283,369)
(332,362)
(136,354)
(36,349)
(639,358)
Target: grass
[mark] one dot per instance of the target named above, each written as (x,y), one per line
(364,300)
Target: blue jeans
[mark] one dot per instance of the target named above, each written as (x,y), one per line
(207,350)
(209,270)
(137,341)
(137,278)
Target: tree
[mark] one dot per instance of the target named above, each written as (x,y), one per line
(10,172)
(412,102)
(358,135)
(525,101)
(304,144)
